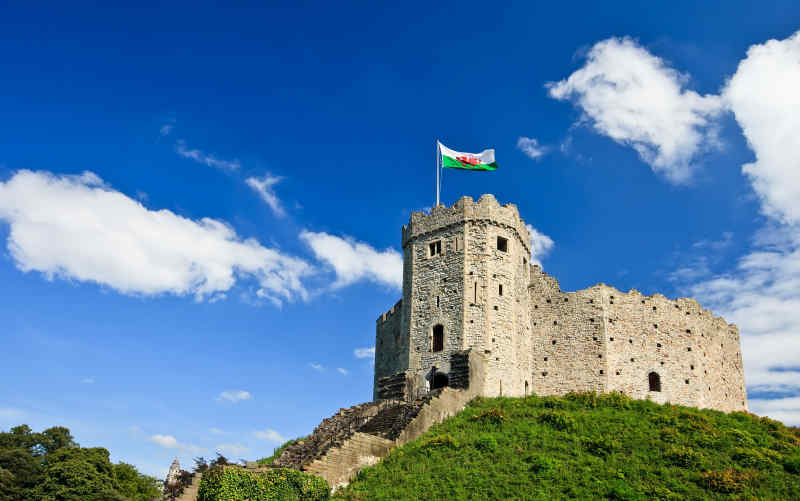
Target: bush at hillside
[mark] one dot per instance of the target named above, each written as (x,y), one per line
(278,484)
(587,446)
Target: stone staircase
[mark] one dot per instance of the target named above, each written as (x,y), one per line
(190,492)
(362,435)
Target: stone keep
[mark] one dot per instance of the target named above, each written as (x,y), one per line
(470,290)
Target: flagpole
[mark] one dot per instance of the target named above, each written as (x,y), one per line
(437,172)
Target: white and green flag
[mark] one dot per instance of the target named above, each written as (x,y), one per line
(452,159)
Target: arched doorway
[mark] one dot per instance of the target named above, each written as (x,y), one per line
(440,380)
(655,381)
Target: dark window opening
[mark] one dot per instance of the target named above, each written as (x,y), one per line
(437,301)
(439,381)
(524,262)
(476,292)
(500,289)
(438,338)
(655,381)
(658,345)
(436,248)
(526,388)
(502,244)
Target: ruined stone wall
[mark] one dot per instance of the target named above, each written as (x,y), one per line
(391,347)
(568,347)
(678,340)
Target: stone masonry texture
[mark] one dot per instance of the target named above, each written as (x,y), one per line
(466,270)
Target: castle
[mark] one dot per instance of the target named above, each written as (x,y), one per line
(475,312)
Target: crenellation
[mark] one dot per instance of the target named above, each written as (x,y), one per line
(467,272)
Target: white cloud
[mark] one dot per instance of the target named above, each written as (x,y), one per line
(271,435)
(170,442)
(786,410)
(541,245)
(87,380)
(165,129)
(232,449)
(762,294)
(234,396)
(264,188)
(531,147)
(342,371)
(364,352)
(216,431)
(353,261)
(634,98)
(202,157)
(764,97)
(75,227)
(317,367)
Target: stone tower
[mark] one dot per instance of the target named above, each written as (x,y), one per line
(465,280)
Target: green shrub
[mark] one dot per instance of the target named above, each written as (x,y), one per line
(600,446)
(726,481)
(792,464)
(486,442)
(443,441)
(683,457)
(278,484)
(558,420)
(542,464)
(751,458)
(276,453)
(493,415)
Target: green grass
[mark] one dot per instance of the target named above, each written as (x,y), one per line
(586,446)
(279,450)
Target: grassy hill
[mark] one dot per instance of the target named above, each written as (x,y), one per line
(587,446)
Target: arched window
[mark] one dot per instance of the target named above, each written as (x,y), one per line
(655,381)
(440,380)
(438,337)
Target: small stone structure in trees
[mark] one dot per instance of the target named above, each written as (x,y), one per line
(469,290)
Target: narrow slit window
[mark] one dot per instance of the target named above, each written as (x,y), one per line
(436,248)
(500,290)
(502,244)
(475,299)
(437,301)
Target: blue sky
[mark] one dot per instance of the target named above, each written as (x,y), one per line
(200,208)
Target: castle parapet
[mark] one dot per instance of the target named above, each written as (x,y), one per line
(486,209)
(387,315)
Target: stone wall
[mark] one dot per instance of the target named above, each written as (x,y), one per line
(391,348)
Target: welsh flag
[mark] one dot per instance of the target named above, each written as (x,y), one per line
(468,161)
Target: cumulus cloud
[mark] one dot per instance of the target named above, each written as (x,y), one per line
(232,449)
(264,189)
(762,294)
(531,147)
(541,245)
(234,396)
(342,371)
(271,435)
(364,352)
(170,442)
(77,228)
(633,97)
(204,158)
(354,261)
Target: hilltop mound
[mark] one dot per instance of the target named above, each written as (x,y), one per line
(587,446)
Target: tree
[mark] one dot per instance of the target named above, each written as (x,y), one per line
(134,485)
(78,474)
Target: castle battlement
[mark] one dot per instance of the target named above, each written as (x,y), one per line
(469,287)
(487,210)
